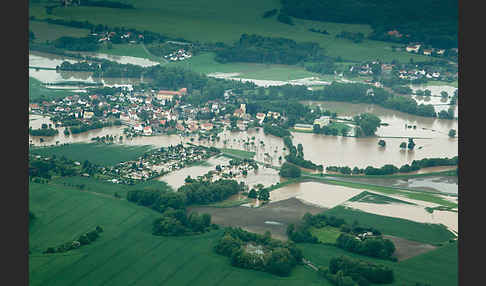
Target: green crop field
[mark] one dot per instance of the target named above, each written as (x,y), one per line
(238,153)
(102,154)
(421,232)
(367,197)
(38,91)
(436,267)
(327,234)
(127,253)
(225,21)
(49,32)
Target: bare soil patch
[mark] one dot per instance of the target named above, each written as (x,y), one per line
(407,248)
(273,217)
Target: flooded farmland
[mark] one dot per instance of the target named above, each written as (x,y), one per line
(317,194)
(273,217)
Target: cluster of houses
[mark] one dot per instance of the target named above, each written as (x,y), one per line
(129,37)
(178,55)
(419,49)
(150,112)
(157,163)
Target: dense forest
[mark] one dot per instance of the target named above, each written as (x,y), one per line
(259,49)
(433,22)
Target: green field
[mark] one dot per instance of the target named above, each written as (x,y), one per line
(132,50)
(225,21)
(37,90)
(367,197)
(238,153)
(436,267)
(327,234)
(49,32)
(421,232)
(127,253)
(101,154)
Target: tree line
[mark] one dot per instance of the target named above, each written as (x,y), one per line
(271,255)
(260,49)
(346,271)
(373,246)
(84,239)
(435,23)
(172,205)
(389,169)
(296,156)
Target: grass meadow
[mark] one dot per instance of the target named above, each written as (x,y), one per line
(225,21)
(421,232)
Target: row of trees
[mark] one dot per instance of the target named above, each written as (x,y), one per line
(347,271)
(288,170)
(271,255)
(43,132)
(301,232)
(371,246)
(434,24)
(390,169)
(296,157)
(260,49)
(175,220)
(84,239)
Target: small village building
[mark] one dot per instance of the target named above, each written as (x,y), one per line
(427,52)
(88,114)
(169,94)
(304,127)
(322,121)
(207,126)
(147,130)
(138,127)
(413,48)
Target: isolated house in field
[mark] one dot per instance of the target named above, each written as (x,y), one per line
(413,48)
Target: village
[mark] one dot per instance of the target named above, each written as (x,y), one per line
(150,112)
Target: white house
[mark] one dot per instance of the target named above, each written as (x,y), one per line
(322,121)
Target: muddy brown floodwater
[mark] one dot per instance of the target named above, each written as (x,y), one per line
(273,217)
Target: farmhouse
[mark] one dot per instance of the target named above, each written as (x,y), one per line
(427,52)
(413,48)
(322,121)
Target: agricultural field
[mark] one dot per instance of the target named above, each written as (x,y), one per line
(37,91)
(367,197)
(126,252)
(442,264)
(101,154)
(421,232)
(223,21)
(238,153)
(49,32)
